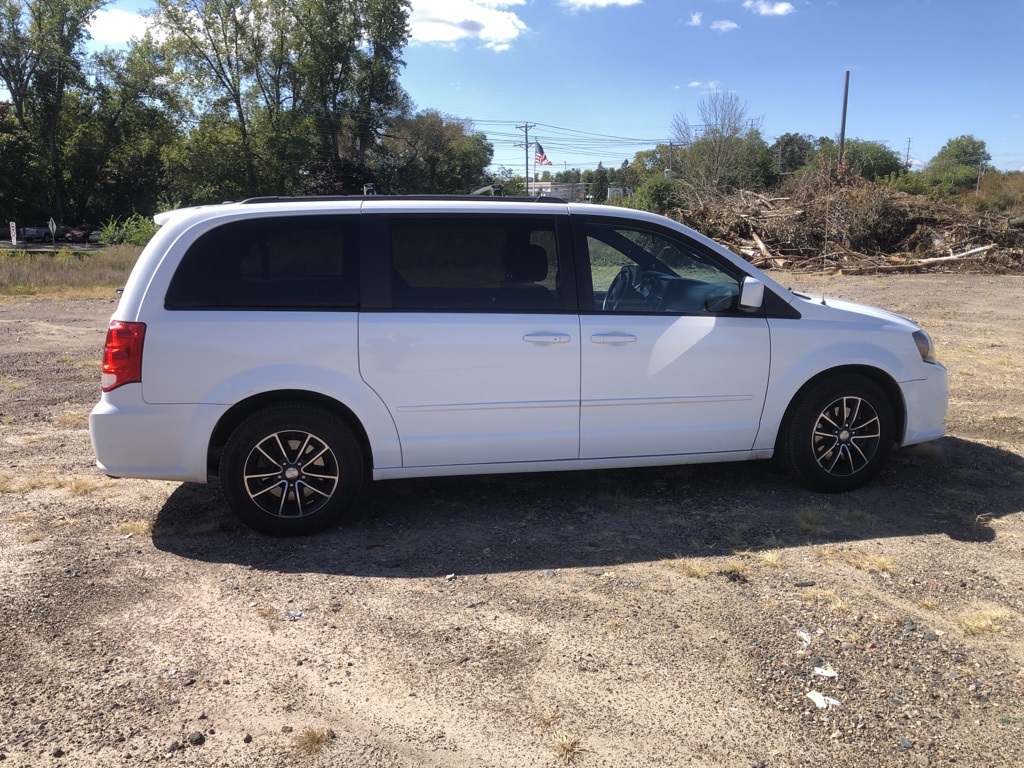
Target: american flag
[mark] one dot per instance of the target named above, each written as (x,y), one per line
(540,158)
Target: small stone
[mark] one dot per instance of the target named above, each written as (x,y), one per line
(848,646)
(247,739)
(57,752)
(906,743)
(803,584)
(331,734)
(286,729)
(174,746)
(594,571)
(931,636)
(196,739)
(549,573)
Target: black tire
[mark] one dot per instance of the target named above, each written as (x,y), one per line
(837,436)
(291,470)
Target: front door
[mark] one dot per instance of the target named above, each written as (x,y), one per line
(669,364)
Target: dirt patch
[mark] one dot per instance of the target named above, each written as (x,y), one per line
(658,617)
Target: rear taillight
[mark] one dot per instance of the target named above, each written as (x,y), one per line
(122,354)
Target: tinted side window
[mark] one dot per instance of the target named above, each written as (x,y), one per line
(474,263)
(284,262)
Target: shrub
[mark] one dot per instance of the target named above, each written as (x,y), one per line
(135,230)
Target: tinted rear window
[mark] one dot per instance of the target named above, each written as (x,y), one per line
(284,262)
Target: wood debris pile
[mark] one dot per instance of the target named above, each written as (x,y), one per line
(856,228)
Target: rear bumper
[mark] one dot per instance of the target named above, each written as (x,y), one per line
(132,438)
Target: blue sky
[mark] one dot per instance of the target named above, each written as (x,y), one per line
(602,79)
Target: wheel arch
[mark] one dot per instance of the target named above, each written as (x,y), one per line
(241,410)
(876,375)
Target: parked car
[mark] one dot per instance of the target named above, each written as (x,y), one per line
(295,348)
(41,234)
(79,234)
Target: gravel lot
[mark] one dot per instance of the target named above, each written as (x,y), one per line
(672,617)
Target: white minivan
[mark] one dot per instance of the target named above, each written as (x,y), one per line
(295,348)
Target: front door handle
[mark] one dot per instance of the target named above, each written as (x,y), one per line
(613,338)
(543,339)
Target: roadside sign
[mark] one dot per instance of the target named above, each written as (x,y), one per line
(14,233)
(53,227)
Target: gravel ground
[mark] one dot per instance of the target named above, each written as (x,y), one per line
(680,617)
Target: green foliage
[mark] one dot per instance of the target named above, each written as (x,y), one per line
(792,151)
(657,194)
(135,230)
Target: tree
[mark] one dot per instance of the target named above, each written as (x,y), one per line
(431,153)
(719,151)
(961,151)
(870,159)
(792,151)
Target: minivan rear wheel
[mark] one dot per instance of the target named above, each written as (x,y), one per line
(838,435)
(291,470)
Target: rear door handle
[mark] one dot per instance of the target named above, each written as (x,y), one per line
(613,338)
(543,339)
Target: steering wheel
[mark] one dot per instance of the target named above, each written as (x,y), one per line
(620,287)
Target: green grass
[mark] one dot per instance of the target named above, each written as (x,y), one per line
(66,272)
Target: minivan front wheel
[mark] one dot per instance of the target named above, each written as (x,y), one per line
(291,470)
(838,435)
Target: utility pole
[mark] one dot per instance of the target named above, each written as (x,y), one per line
(906,162)
(842,129)
(525,128)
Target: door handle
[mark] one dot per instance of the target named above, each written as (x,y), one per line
(543,339)
(613,338)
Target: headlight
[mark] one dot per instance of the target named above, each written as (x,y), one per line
(924,346)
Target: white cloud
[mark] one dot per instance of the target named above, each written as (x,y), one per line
(586,5)
(695,19)
(763,8)
(711,85)
(446,22)
(724,25)
(116,27)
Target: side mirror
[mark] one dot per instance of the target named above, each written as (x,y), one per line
(751,294)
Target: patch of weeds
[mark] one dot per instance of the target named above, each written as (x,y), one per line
(810,518)
(1009,719)
(734,570)
(692,568)
(80,486)
(60,522)
(23,517)
(312,740)
(613,624)
(988,621)
(34,537)
(549,717)
(770,559)
(10,384)
(870,563)
(6,483)
(814,594)
(859,518)
(928,603)
(135,528)
(567,748)
(72,420)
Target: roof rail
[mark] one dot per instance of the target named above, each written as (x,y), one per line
(330,198)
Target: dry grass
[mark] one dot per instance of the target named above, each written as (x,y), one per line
(987,621)
(34,537)
(870,563)
(770,559)
(567,748)
(810,517)
(311,740)
(72,420)
(6,483)
(66,273)
(135,528)
(693,569)
(550,717)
